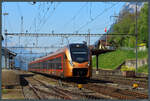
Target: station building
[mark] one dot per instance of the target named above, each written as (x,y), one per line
(7,58)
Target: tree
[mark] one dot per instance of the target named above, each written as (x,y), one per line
(126,25)
(143,24)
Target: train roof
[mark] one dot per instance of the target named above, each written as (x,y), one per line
(51,54)
(58,51)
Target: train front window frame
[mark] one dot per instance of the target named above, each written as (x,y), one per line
(82,55)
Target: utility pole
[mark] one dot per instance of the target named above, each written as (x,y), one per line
(115,16)
(21,30)
(136,33)
(89,37)
(5,49)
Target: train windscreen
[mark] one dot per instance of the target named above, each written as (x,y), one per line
(79,53)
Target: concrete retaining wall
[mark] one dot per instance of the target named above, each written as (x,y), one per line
(132,63)
(108,72)
(10,78)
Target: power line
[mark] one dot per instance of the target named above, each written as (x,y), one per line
(44,16)
(32,53)
(36,15)
(19,10)
(91,11)
(45,21)
(35,47)
(76,14)
(105,10)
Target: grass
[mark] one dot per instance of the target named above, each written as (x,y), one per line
(113,59)
(143,69)
(4,91)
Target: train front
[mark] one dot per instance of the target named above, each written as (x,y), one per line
(79,62)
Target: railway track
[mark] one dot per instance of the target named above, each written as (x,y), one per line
(126,81)
(115,92)
(99,90)
(43,91)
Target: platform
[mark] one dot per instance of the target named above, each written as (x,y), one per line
(100,51)
(97,52)
(10,78)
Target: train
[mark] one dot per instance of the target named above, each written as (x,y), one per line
(71,61)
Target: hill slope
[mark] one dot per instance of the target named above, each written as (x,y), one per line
(113,59)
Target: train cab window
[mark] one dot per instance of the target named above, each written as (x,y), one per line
(65,57)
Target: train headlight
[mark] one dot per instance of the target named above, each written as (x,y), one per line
(88,63)
(71,63)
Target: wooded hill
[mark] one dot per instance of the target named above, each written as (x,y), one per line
(126,25)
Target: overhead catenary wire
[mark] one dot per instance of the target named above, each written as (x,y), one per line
(75,15)
(42,19)
(48,17)
(91,11)
(41,9)
(104,11)
(8,21)
(36,15)
(19,9)
(108,23)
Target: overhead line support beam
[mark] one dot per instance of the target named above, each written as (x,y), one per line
(62,35)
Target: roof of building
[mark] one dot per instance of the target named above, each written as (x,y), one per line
(2,37)
(8,51)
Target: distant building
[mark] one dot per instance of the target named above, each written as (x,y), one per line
(10,59)
(9,56)
(142,47)
(102,43)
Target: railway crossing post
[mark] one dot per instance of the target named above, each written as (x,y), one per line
(97,72)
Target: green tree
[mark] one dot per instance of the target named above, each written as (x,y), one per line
(143,24)
(126,25)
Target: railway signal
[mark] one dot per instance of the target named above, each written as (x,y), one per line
(135,86)
(80,86)
(105,29)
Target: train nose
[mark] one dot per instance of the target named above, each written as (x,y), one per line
(80,72)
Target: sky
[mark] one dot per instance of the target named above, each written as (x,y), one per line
(59,17)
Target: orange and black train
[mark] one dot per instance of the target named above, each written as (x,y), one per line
(74,60)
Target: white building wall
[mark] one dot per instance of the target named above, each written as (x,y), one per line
(3,62)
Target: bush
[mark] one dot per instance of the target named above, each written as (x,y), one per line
(143,69)
(127,68)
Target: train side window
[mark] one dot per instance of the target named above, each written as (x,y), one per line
(49,64)
(55,62)
(37,66)
(59,63)
(43,65)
